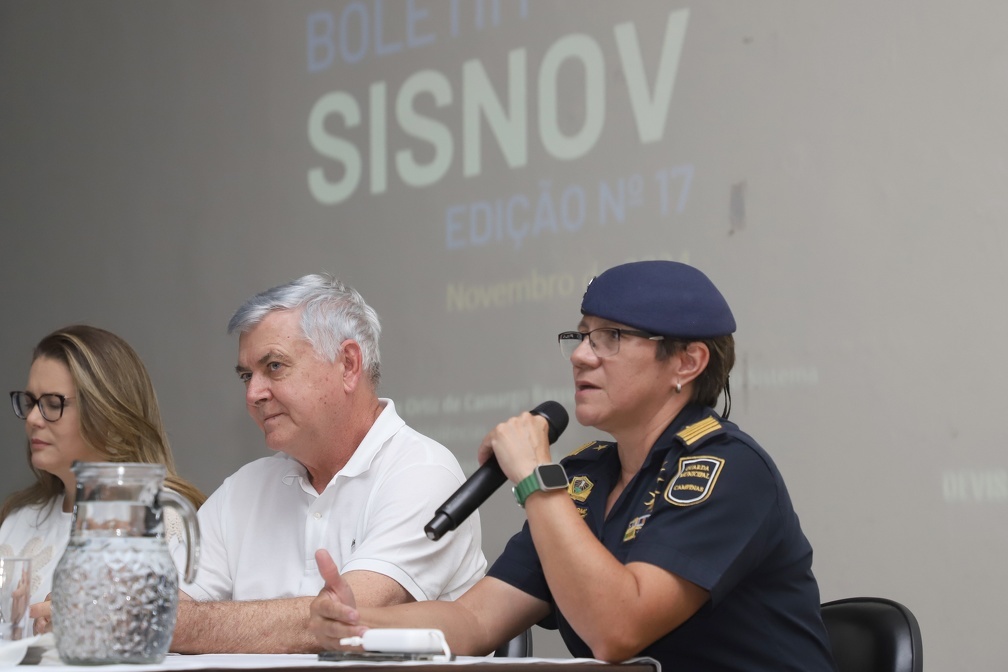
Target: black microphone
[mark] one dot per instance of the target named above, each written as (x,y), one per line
(487,479)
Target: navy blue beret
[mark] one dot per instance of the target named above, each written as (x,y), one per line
(662,297)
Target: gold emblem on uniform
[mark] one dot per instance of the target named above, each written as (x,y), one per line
(580,487)
(698,430)
(597,445)
(634,527)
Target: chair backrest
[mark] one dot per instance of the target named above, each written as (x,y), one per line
(873,634)
(520,646)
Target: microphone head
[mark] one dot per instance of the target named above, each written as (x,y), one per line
(439,525)
(556,418)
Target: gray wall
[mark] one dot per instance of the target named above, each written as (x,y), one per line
(837,168)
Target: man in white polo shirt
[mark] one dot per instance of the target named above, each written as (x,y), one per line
(348,476)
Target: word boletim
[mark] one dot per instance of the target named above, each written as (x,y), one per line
(468,98)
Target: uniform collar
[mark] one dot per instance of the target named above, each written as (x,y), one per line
(692,414)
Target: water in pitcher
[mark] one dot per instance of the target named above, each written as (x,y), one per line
(124,606)
(115,589)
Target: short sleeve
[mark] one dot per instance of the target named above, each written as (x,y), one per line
(518,565)
(213,578)
(394,542)
(713,535)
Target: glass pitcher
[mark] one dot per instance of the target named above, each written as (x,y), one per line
(115,589)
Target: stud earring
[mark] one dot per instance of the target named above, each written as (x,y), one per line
(678,388)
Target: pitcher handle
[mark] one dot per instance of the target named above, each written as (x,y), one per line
(168,497)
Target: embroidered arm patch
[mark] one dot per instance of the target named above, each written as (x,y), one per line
(695,480)
(579,488)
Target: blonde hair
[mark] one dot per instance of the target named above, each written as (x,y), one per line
(119,414)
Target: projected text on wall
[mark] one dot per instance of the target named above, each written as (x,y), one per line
(472,104)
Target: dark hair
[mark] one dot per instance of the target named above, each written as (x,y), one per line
(713,380)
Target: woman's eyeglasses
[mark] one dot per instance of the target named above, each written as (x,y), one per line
(604,341)
(49,405)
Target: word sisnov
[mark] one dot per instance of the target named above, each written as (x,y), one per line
(515,218)
(505,120)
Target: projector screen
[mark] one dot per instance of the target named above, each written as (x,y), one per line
(837,169)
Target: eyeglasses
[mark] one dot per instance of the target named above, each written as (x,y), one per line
(49,405)
(604,341)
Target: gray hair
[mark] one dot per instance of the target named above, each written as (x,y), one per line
(331,312)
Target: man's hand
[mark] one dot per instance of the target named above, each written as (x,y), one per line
(334,612)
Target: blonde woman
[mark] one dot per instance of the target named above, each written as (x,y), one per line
(88,398)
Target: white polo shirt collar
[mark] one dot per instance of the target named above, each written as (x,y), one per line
(384,428)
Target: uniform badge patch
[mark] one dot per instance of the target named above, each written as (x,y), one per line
(695,480)
(634,527)
(579,489)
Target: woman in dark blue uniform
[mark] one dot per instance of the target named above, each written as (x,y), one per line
(676,541)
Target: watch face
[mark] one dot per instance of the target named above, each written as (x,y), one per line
(552,476)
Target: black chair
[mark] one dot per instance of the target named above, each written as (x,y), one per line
(873,634)
(520,646)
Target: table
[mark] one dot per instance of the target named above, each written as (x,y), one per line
(227,662)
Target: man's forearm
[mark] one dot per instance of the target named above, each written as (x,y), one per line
(259,626)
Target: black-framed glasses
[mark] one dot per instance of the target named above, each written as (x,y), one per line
(604,341)
(49,405)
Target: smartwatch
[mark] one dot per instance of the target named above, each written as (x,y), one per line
(544,477)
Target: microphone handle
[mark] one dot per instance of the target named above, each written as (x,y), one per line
(487,478)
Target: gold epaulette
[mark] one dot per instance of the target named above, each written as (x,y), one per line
(693,433)
(599,445)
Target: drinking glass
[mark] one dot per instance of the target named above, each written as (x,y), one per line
(15,593)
